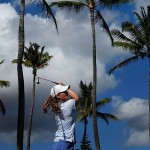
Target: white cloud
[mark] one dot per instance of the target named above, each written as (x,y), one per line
(115,16)
(71,54)
(9,21)
(135,107)
(8,138)
(135,113)
(7,12)
(72,62)
(139,3)
(138,138)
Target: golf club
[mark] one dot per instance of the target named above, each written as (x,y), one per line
(38,80)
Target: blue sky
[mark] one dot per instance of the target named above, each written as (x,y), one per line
(72,62)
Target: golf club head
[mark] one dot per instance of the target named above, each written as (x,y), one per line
(37,80)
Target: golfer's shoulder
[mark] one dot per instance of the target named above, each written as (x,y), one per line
(70,102)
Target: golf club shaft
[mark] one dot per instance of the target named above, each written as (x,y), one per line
(48,80)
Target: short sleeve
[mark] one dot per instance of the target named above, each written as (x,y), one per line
(72,103)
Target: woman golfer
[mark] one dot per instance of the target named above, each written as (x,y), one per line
(62,101)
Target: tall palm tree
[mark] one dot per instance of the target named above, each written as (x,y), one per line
(85,106)
(94,8)
(35,59)
(3,83)
(137,43)
(21,93)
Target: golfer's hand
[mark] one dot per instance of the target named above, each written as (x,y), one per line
(60,83)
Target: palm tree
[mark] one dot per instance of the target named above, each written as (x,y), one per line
(3,83)
(85,106)
(35,59)
(94,8)
(137,43)
(21,93)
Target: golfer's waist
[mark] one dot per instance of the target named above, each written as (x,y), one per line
(57,140)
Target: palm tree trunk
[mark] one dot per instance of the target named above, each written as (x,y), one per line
(85,127)
(84,134)
(2,108)
(95,128)
(149,99)
(21,94)
(31,114)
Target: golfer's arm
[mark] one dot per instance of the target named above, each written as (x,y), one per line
(73,95)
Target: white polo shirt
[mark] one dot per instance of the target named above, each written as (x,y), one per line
(66,121)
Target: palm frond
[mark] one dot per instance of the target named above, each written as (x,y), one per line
(2,108)
(85,94)
(102,102)
(148,11)
(126,43)
(143,13)
(42,49)
(112,3)
(15,61)
(80,119)
(143,23)
(124,63)
(69,5)
(131,47)
(80,114)
(134,31)
(106,116)
(101,22)
(139,18)
(43,62)
(1,62)
(120,36)
(50,14)
(4,83)
(27,63)
(42,66)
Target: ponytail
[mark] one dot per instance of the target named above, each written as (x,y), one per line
(51,104)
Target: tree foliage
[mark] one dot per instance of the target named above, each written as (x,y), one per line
(3,83)
(137,42)
(85,143)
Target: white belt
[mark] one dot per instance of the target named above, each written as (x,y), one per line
(56,140)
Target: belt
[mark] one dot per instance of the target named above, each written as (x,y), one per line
(57,140)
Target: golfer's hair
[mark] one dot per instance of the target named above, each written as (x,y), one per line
(51,104)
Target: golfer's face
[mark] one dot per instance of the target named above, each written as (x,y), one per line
(63,96)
